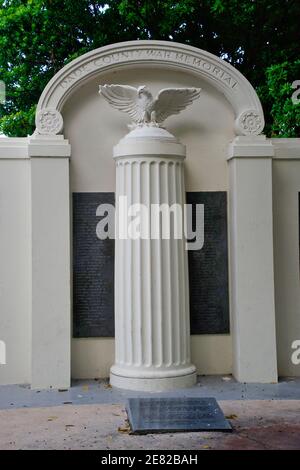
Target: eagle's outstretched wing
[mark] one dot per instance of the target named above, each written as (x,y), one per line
(173,100)
(124,98)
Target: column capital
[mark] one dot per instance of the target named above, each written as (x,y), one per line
(149,141)
(48,146)
(34,146)
(257,146)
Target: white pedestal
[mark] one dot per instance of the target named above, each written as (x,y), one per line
(151,276)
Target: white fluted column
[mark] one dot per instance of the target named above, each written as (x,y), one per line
(151,276)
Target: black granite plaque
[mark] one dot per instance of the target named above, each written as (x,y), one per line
(93,269)
(208,267)
(148,415)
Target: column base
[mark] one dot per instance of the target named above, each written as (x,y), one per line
(153,384)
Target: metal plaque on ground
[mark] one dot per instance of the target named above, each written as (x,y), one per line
(149,415)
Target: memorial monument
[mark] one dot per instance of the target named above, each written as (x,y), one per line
(152,324)
(57,276)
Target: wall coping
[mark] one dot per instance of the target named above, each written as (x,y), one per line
(261,147)
(240,147)
(38,146)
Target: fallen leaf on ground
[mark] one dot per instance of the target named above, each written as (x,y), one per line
(52,418)
(233,416)
(67,426)
(125,428)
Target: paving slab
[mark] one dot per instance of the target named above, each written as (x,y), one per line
(257,424)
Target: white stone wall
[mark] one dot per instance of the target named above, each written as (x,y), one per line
(35,325)
(15,262)
(286,188)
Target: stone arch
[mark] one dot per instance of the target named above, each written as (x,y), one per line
(249,117)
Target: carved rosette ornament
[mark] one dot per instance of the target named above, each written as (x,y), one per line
(249,122)
(49,122)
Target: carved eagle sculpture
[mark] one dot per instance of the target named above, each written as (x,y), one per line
(140,105)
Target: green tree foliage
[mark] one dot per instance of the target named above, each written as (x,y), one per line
(260,38)
(285,113)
